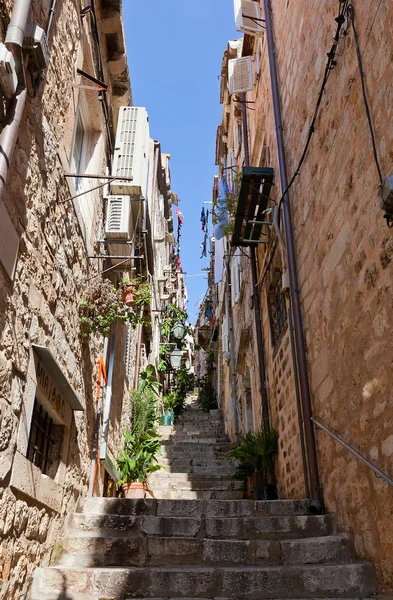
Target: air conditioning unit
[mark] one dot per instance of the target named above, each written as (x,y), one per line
(8,76)
(118,225)
(248,17)
(36,43)
(131,155)
(240,75)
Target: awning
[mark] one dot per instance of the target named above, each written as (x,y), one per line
(254,196)
(58,376)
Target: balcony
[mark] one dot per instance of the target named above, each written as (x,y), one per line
(254,194)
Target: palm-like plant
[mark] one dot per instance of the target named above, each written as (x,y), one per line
(138,458)
(255,456)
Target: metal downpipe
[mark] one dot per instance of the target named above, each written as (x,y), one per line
(316,498)
(9,135)
(255,295)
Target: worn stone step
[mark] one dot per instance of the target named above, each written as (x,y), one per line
(244,528)
(285,581)
(167,551)
(181,494)
(194,508)
(197,462)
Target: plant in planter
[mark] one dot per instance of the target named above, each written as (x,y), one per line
(135,292)
(136,461)
(255,456)
(170,403)
(101,306)
(225,207)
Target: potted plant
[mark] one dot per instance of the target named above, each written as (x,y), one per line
(136,461)
(135,292)
(170,403)
(207,398)
(255,456)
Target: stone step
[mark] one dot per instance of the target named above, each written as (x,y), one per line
(166,551)
(197,462)
(193,508)
(196,439)
(187,466)
(241,528)
(285,581)
(180,494)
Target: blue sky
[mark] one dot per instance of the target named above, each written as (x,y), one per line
(174,51)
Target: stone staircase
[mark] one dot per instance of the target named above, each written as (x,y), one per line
(193,454)
(196,541)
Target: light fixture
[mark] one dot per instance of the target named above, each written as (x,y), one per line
(175,358)
(188,364)
(179,331)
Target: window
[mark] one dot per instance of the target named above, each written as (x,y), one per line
(40,440)
(277,308)
(78,149)
(45,441)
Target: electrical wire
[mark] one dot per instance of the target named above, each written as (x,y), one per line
(331,63)
(351,14)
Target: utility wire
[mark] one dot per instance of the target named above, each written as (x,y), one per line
(331,63)
(351,14)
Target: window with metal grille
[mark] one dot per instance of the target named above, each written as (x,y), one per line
(41,442)
(277,309)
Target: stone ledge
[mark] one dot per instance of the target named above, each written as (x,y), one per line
(28,479)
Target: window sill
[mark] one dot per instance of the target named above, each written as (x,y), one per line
(28,480)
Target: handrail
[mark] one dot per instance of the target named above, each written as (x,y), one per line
(359,456)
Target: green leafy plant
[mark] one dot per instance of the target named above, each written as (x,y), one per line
(101,306)
(255,456)
(144,412)
(137,459)
(140,288)
(207,398)
(170,402)
(148,381)
(225,208)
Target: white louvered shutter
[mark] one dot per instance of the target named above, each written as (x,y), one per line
(235,281)
(130,157)
(248,17)
(225,336)
(240,78)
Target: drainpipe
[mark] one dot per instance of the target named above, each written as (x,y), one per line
(316,498)
(229,318)
(255,295)
(14,43)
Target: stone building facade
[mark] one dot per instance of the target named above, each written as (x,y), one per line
(49,441)
(344,256)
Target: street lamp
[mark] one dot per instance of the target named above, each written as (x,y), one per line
(188,364)
(175,358)
(179,331)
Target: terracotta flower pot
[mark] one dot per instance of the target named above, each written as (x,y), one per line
(128,295)
(134,490)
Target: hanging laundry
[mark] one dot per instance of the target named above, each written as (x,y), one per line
(180,217)
(208,312)
(203,246)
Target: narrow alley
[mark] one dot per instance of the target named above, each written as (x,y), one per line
(196,300)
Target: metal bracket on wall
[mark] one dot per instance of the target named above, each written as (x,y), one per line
(99,86)
(97,187)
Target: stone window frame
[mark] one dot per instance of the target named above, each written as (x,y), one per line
(26,478)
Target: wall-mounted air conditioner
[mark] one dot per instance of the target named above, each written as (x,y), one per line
(118,225)
(131,155)
(240,75)
(8,76)
(248,16)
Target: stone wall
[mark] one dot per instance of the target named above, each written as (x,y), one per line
(344,253)
(40,307)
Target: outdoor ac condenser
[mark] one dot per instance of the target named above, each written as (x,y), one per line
(118,225)
(131,155)
(248,16)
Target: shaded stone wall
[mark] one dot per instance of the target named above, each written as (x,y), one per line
(344,253)
(40,306)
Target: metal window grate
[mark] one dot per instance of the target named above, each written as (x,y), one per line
(40,440)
